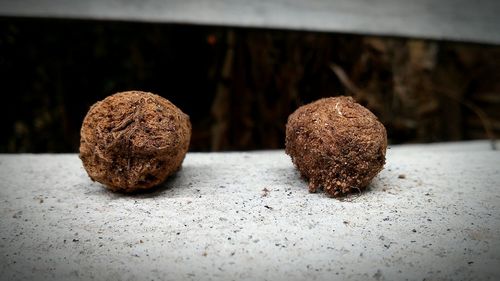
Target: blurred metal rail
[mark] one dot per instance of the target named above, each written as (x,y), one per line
(457,20)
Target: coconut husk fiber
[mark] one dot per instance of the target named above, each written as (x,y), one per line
(133,140)
(336,144)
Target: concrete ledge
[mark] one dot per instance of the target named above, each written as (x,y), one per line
(432,213)
(461,20)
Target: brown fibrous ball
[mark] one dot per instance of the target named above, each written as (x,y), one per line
(133,140)
(336,144)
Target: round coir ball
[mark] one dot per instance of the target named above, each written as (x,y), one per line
(336,144)
(133,140)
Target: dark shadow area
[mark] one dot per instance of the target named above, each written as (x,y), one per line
(174,183)
(238,85)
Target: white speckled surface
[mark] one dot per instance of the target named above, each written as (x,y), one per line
(212,221)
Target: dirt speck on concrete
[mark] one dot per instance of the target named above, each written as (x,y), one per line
(265,192)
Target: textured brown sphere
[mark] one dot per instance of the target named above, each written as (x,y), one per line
(133,140)
(336,144)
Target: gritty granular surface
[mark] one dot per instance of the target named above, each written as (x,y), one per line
(336,144)
(133,140)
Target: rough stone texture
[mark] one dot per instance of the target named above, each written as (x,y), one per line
(336,144)
(133,140)
(214,220)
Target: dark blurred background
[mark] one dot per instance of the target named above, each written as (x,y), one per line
(238,84)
